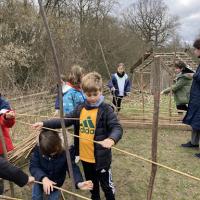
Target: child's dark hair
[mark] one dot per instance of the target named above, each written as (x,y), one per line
(196,44)
(50,142)
(180,64)
(75,75)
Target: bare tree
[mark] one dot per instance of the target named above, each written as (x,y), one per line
(151,20)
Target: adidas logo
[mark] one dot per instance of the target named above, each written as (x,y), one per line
(87,126)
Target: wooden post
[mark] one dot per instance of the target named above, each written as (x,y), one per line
(5,153)
(57,69)
(156,93)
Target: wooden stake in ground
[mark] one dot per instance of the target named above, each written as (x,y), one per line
(57,69)
(5,153)
(156,93)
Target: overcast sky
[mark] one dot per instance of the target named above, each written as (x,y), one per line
(187,10)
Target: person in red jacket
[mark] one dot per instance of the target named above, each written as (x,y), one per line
(7,120)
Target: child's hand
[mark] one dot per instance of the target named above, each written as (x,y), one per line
(128,94)
(107,143)
(162,93)
(48,185)
(86,185)
(10,115)
(31,180)
(77,158)
(56,113)
(112,89)
(190,74)
(38,125)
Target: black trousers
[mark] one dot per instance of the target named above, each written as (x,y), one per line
(102,177)
(182,107)
(117,102)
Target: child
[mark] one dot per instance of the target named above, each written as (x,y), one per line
(97,122)
(181,88)
(7,120)
(119,85)
(72,95)
(49,165)
(65,87)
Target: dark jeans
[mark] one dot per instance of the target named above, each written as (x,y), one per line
(104,177)
(38,194)
(117,102)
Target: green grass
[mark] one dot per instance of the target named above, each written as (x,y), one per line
(131,175)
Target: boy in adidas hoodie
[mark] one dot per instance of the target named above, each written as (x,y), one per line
(119,85)
(97,122)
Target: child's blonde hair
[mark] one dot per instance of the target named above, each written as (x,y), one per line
(75,75)
(92,82)
(121,65)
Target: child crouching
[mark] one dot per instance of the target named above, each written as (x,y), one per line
(48,164)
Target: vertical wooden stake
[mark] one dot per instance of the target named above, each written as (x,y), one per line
(57,70)
(5,153)
(156,93)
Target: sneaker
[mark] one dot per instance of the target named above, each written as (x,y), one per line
(197,155)
(189,144)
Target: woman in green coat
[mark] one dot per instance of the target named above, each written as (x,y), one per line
(181,88)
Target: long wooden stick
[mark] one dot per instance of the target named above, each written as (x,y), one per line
(5,153)
(57,69)
(67,191)
(156,92)
(8,198)
(108,71)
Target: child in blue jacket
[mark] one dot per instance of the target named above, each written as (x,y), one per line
(72,95)
(119,85)
(48,164)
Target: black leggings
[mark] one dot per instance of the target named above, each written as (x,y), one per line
(117,102)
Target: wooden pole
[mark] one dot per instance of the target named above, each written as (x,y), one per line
(108,71)
(57,69)
(5,153)
(156,93)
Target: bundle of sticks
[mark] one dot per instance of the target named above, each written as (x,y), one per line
(23,149)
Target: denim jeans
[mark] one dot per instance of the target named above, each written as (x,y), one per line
(38,194)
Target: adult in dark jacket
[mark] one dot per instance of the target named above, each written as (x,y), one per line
(119,85)
(192,116)
(182,86)
(14,174)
